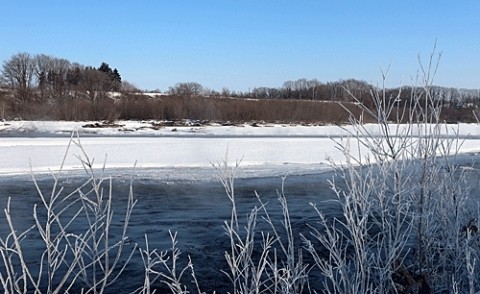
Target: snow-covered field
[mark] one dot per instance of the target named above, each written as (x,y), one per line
(268,148)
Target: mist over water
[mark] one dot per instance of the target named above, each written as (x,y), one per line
(196,209)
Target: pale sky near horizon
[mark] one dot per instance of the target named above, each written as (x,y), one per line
(251,43)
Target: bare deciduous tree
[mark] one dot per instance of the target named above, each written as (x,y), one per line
(19,72)
(188,89)
(43,64)
(93,83)
(57,77)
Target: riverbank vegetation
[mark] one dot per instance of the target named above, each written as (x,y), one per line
(36,87)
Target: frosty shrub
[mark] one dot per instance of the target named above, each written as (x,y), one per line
(409,223)
(78,252)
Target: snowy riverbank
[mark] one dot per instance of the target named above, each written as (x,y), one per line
(150,144)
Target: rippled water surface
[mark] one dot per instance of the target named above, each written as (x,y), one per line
(192,203)
(196,209)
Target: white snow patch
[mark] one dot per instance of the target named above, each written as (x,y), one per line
(126,143)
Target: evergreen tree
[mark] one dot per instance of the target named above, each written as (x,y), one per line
(116,76)
(113,77)
(117,80)
(104,67)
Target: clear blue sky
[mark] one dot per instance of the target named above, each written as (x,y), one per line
(249,43)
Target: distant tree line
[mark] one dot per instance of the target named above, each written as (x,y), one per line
(340,91)
(41,86)
(345,90)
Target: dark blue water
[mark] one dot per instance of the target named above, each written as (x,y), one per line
(195,209)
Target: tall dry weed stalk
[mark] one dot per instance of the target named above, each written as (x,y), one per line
(266,261)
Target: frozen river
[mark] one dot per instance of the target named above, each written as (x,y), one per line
(271,153)
(175,185)
(149,152)
(43,144)
(191,202)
